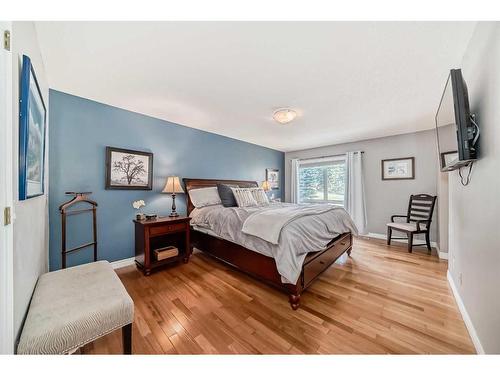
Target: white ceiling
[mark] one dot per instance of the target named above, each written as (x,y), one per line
(347,80)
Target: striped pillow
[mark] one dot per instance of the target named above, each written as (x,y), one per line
(260,196)
(244,197)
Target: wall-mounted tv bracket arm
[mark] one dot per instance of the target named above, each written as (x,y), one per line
(474,134)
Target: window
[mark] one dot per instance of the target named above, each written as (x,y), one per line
(322,181)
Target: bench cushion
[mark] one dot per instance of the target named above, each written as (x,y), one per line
(73,307)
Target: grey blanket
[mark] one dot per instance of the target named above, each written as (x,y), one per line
(298,237)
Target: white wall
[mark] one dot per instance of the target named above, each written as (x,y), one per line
(474,210)
(31,216)
(386,198)
(6,231)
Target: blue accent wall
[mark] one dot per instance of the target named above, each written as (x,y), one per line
(80,129)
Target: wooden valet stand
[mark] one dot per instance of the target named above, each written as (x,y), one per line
(79,197)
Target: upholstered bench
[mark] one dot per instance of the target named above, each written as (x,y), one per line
(75,306)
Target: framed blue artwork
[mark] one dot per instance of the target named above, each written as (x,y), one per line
(32,127)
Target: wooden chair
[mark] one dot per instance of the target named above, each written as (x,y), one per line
(418,220)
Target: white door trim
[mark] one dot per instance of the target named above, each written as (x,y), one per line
(6,199)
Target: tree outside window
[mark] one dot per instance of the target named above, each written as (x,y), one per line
(322,182)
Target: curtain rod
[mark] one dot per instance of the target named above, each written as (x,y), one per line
(324,157)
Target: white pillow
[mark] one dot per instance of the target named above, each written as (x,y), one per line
(244,197)
(260,196)
(204,197)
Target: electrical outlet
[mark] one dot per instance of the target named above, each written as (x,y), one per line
(460,278)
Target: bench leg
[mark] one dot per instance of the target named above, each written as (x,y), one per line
(127,338)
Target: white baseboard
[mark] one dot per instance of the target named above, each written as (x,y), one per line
(442,254)
(123,263)
(465,316)
(380,236)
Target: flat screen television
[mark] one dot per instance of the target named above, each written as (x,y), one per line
(457,132)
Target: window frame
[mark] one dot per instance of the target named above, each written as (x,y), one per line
(318,162)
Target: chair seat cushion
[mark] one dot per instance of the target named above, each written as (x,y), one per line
(73,307)
(410,227)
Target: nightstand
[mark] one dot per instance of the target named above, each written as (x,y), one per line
(158,233)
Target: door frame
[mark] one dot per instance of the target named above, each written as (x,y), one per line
(6,198)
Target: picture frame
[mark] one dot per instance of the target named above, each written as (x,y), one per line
(447,157)
(128,169)
(398,168)
(32,134)
(273,177)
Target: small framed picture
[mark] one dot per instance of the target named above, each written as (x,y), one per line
(273,177)
(448,158)
(128,169)
(398,169)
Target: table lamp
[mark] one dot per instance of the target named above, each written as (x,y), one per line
(266,185)
(173,186)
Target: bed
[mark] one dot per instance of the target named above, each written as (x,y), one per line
(260,264)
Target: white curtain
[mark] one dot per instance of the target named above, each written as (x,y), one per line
(354,199)
(294,181)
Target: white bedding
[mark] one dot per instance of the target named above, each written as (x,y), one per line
(298,235)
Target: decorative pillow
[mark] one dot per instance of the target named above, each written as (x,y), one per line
(244,197)
(260,196)
(226,195)
(204,197)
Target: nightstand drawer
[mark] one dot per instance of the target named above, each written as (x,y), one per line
(168,228)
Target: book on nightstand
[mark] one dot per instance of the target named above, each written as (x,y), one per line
(166,252)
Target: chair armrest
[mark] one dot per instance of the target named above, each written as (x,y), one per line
(422,221)
(393,216)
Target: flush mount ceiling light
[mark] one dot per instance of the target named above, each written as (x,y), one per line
(284,115)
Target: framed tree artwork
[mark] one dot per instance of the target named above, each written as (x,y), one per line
(32,119)
(128,169)
(273,177)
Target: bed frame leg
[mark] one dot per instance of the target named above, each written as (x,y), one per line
(294,301)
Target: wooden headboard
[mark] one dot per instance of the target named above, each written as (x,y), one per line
(197,183)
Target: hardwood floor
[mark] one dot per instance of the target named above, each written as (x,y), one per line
(381,300)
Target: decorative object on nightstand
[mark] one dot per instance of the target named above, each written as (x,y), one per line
(137,205)
(161,241)
(166,252)
(173,186)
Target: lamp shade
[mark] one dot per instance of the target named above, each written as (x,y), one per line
(173,185)
(266,186)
